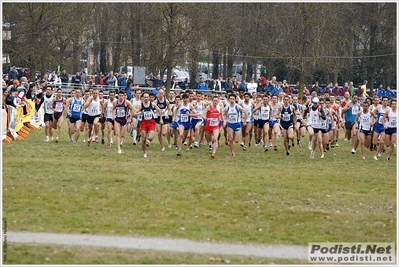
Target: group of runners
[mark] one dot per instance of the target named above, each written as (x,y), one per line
(195,119)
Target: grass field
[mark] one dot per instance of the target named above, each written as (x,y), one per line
(256,197)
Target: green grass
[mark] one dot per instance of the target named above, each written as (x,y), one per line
(257,197)
(46,254)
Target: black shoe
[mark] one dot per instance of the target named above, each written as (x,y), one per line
(288,153)
(102,141)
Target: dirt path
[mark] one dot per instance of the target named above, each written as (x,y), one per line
(176,245)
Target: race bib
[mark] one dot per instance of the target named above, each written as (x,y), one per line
(59,107)
(76,107)
(94,110)
(232,118)
(120,112)
(148,115)
(392,123)
(323,124)
(265,115)
(164,112)
(355,109)
(286,116)
(214,122)
(184,118)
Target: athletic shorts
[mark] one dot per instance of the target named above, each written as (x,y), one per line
(147,125)
(121,121)
(165,120)
(262,123)
(256,123)
(186,125)
(330,127)
(235,126)
(390,131)
(48,117)
(315,130)
(378,128)
(210,129)
(324,131)
(194,122)
(272,123)
(90,119)
(57,115)
(365,132)
(110,120)
(84,117)
(174,125)
(102,119)
(73,120)
(349,125)
(170,119)
(286,126)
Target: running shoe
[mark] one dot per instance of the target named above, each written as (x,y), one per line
(266,149)
(196,144)
(312,154)
(52,138)
(388,159)
(213,155)
(134,142)
(322,156)
(363,158)
(178,153)
(244,148)
(169,146)
(47,139)
(233,154)
(102,141)
(119,151)
(287,153)
(336,144)
(375,158)
(147,143)
(270,144)
(145,155)
(163,149)
(353,151)
(185,143)
(275,148)
(310,146)
(379,154)
(56,139)
(88,142)
(84,141)
(242,144)
(71,141)
(328,147)
(249,144)
(226,143)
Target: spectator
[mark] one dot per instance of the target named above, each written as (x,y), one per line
(173,83)
(252,86)
(112,82)
(288,90)
(99,77)
(228,84)
(295,89)
(263,83)
(13,74)
(244,85)
(359,91)
(83,77)
(337,91)
(346,89)
(305,91)
(64,77)
(364,87)
(390,94)
(14,85)
(380,91)
(202,85)
(128,90)
(156,82)
(76,80)
(234,84)
(352,88)
(23,73)
(184,84)
(316,87)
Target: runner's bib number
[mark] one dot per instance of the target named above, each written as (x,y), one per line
(214,122)
(184,118)
(76,107)
(148,115)
(59,107)
(286,117)
(120,112)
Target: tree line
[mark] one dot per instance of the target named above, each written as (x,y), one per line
(305,42)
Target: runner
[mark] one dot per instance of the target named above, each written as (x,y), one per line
(136,103)
(102,119)
(108,107)
(263,120)
(256,116)
(184,111)
(47,99)
(299,126)
(389,121)
(286,114)
(197,123)
(274,122)
(364,123)
(84,126)
(147,124)
(373,107)
(314,114)
(120,114)
(379,131)
(350,111)
(71,95)
(74,107)
(174,125)
(247,128)
(93,106)
(232,118)
(57,105)
(162,129)
(212,115)
(172,102)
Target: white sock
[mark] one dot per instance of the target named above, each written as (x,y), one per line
(134,134)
